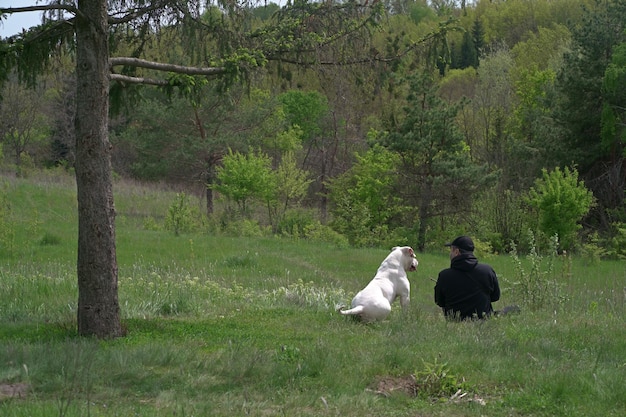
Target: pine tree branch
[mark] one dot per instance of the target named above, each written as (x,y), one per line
(138,80)
(179,69)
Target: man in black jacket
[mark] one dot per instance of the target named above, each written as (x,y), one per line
(466,289)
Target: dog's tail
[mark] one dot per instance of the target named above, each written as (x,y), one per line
(352,312)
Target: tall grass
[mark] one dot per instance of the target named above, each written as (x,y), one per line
(227,326)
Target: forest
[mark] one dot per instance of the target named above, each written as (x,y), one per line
(416,122)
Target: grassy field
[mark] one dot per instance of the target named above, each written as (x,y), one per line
(223,326)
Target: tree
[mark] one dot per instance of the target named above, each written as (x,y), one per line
(587,103)
(363,198)
(438,174)
(297,35)
(291,183)
(21,121)
(613,131)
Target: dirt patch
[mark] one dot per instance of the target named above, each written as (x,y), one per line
(17,390)
(408,385)
(388,385)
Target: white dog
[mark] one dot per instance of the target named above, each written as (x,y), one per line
(374,301)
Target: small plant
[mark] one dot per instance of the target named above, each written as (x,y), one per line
(437,381)
(307,294)
(245,228)
(241,261)
(150,223)
(617,243)
(591,251)
(49,239)
(179,215)
(538,285)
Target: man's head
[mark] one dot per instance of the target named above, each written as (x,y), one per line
(461,244)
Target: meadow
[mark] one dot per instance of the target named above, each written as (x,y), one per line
(239,326)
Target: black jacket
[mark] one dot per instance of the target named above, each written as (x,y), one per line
(467,288)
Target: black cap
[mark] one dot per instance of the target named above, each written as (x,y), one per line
(463,243)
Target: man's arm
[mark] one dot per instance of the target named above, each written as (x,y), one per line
(440,299)
(495,294)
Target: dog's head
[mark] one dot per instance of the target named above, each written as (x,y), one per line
(409,262)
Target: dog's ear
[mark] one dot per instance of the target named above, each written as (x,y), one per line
(394,248)
(408,251)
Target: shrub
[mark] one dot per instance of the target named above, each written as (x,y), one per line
(295,221)
(363,199)
(538,286)
(318,232)
(243,178)
(562,201)
(150,223)
(437,381)
(180,217)
(617,243)
(245,228)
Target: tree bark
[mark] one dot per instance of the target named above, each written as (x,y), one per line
(424,213)
(98,306)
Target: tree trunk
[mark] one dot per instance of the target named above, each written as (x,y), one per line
(98,305)
(424,214)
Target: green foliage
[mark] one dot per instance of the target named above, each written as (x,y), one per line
(438,172)
(537,286)
(420,12)
(591,251)
(617,243)
(305,110)
(317,232)
(501,217)
(243,177)
(436,381)
(562,201)
(180,216)
(310,295)
(585,83)
(613,116)
(190,87)
(150,223)
(291,186)
(245,228)
(364,199)
(295,221)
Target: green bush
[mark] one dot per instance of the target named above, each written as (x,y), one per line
(318,232)
(180,216)
(245,228)
(246,177)
(363,199)
(562,202)
(436,381)
(295,221)
(617,243)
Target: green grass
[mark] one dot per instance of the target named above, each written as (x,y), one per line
(225,326)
